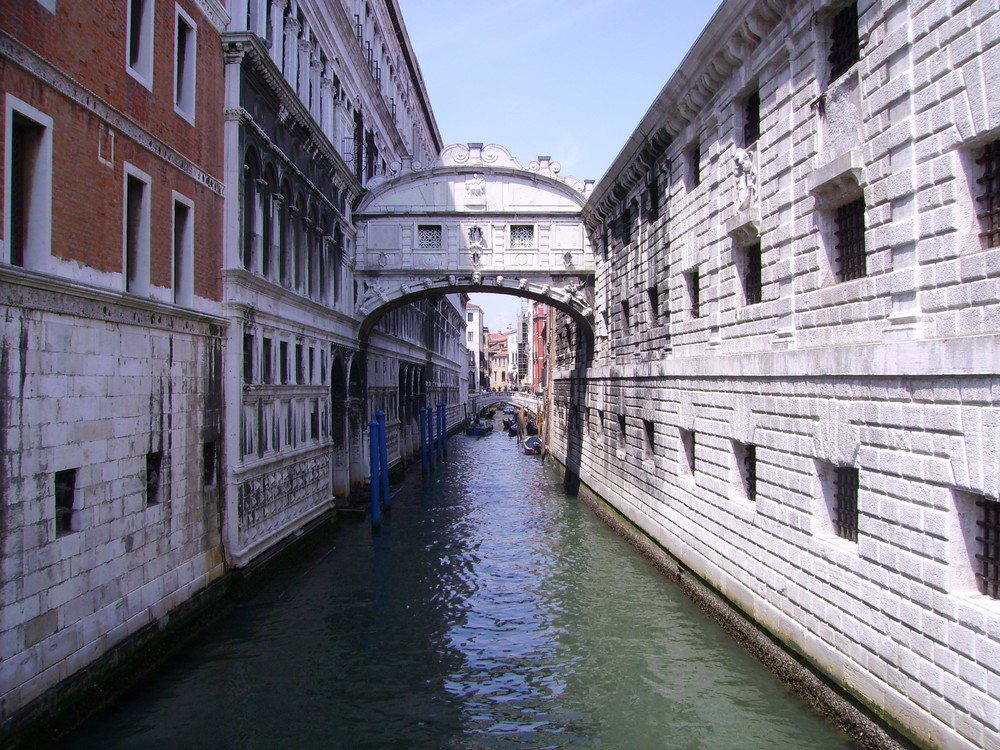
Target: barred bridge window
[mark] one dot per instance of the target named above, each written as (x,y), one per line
(845,521)
(988,557)
(989,194)
(845,44)
(850,245)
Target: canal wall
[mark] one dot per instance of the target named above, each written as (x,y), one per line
(794,383)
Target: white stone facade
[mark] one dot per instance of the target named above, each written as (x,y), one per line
(725,427)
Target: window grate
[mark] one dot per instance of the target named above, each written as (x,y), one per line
(845,519)
(850,235)
(989,196)
(845,46)
(65,490)
(988,559)
(751,119)
(429,237)
(752,276)
(522,237)
(750,470)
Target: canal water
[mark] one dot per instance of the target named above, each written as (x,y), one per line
(492,611)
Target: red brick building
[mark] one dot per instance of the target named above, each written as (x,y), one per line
(110,290)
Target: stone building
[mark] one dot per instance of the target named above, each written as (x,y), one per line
(111,368)
(794,389)
(321,98)
(186,378)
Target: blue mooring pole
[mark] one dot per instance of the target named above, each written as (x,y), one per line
(383,458)
(423,440)
(437,443)
(444,428)
(376,484)
(430,438)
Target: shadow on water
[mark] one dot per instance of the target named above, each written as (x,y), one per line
(490,612)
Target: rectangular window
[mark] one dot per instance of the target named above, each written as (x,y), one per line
(28,183)
(522,237)
(751,119)
(266,360)
(988,197)
(850,240)
(845,509)
(649,433)
(185,48)
(429,237)
(470,336)
(154,466)
(752,285)
(626,322)
(652,198)
(845,45)
(688,443)
(210,463)
(988,542)
(183,251)
(694,165)
(300,369)
(694,292)
(248,345)
(65,495)
(621,431)
(746,459)
(139,45)
(653,295)
(283,361)
(469,317)
(136,230)
(314,419)
(626,225)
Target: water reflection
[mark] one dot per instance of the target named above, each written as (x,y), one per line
(491,612)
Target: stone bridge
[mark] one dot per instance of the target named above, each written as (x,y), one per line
(529,401)
(474,221)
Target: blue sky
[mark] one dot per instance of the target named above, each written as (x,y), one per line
(569,79)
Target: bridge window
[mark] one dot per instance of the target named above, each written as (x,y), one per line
(840,486)
(522,237)
(429,236)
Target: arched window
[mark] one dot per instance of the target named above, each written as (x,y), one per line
(250,212)
(285,235)
(269,207)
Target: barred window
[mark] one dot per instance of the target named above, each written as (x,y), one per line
(429,236)
(746,456)
(688,442)
(752,284)
(694,165)
(989,194)
(694,290)
(988,539)
(850,244)
(154,466)
(845,45)
(751,119)
(65,491)
(846,483)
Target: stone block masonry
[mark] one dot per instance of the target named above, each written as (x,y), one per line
(794,389)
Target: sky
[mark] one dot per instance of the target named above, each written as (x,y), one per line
(569,79)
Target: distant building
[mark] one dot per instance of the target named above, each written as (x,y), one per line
(498,358)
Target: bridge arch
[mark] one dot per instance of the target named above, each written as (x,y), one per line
(474,221)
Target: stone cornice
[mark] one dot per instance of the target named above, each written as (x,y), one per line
(32,63)
(215,13)
(31,290)
(249,46)
(734,32)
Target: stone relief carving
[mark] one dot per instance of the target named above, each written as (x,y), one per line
(475,186)
(746,179)
(476,238)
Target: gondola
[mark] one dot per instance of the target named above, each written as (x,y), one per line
(533,446)
(479,428)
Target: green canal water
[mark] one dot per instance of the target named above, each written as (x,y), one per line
(492,611)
